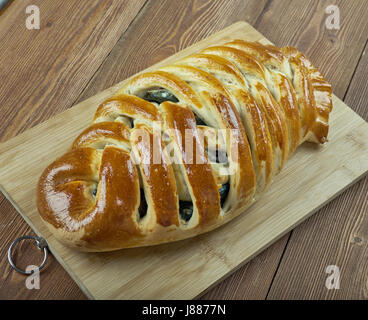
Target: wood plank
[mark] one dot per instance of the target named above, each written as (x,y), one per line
(339,234)
(55,283)
(63,54)
(195,14)
(42,73)
(302,24)
(220,252)
(201,19)
(271,21)
(186,22)
(205,16)
(252,281)
(336,52)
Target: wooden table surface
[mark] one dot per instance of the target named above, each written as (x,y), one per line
(83,47)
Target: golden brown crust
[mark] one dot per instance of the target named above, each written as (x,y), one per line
(255,74)
(143,172)
(159,180)
(65,197)
(198,174)
(320,95)
(101,133)
(314,94)
(253,118)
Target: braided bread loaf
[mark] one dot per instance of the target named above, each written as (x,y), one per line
(119,187)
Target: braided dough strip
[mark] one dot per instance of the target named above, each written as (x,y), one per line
(148,169)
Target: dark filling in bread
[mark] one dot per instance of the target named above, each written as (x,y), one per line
(143,205)
(224,191)
(199,121)
(159,96)
(217,156)
(185,210)
(186,207)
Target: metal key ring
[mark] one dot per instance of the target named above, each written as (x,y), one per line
(41,244)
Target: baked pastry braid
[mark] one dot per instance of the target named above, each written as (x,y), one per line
(184,149)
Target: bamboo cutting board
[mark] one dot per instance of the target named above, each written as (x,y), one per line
(185,269)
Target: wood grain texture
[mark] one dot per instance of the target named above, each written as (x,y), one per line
(338,234)
(55,283)
(252,281)
(63,54)
(302,24)
(207,258)
(42,73)
(297,22)
(336,52)
(186,22)
(190,21)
